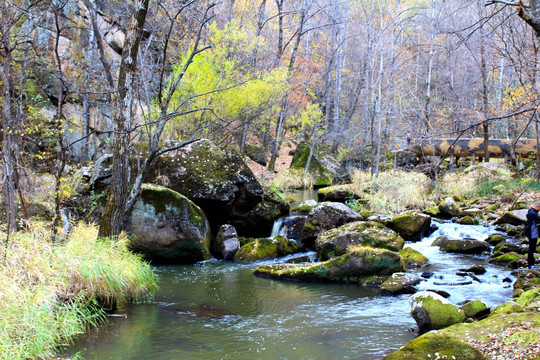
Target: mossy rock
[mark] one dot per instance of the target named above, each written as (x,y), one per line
(166,227)
(432,211)
(338,193)
(476,309)
(304,207)
(527,280)
(412,226)
(363,266)
(514,217)
(435,345)
(467,220)
(505,259)
(326,216)
(449,208)
(509,307)
(506,247)
(323,165)
(338,241)
(431,311)
(400,283)
(256,153)
(265,249)
(412,258)
(217,180)
(494,239)
(529,298)
(461,246)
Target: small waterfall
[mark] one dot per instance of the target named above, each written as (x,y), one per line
(276,228)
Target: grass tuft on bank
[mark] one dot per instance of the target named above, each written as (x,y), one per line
(51,292)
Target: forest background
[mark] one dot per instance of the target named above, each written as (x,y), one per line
(142,78)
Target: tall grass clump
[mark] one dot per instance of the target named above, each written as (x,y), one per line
(50,293)
(292,179)
(477,180)
(393,191)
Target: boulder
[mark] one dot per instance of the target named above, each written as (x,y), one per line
(467,220)
(256,153)
(509,307)
(258,221)
(514,217)
(167,227)
(475,269)
(475,309)
(411,225)
(292,227)
(226,243)
(412,258)
(338,193)
(365,266)
(304,207)
(461,246)
(432,211)
(434,345)
(216,180)
(326,216)
(400,283)
(449,208)
(512,260)
(339,241)
(508,247)
(431,311)
(323,165)
(494,239)
(265,249)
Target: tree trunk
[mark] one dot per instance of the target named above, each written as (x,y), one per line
(111,220)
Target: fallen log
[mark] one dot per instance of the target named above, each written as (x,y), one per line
(498,148)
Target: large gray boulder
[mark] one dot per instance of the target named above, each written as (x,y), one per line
(411,225)
(167,227)
(515,217)
(338,241)
(216,180)
(226,243)
(431,311)
(322,163)
(326,216)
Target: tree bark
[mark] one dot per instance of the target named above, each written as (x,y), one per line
(111,220)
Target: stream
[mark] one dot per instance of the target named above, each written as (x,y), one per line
(220,310)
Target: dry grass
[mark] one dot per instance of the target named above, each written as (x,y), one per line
(468,181)
(49,293)
(393,191)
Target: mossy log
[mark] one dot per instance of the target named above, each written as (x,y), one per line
(498,148)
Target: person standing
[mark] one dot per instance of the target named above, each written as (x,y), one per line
(408,138)
(531,231)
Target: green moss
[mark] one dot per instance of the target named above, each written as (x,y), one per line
(496,239)
(412,258)
(263,248)
(435,345)
(432,211)
(505,259)
(475,309)
(467,220)
(528,297)
(440,314)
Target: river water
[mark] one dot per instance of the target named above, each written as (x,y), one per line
(220,310)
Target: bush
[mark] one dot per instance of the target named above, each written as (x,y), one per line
(292,179)
(50,293)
